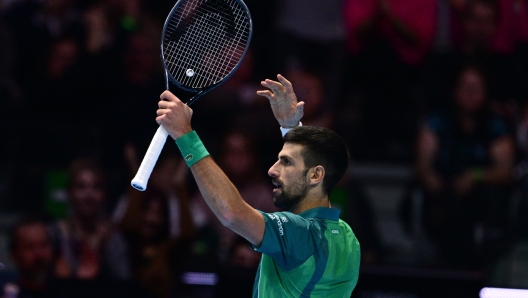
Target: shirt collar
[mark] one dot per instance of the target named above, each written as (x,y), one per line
(321,212)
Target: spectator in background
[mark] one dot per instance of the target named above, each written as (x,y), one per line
(35,26)
(88,245)
(169,179)
(32,251)
(350,196)
(139,81)
(388,41)
(464,161)
(120,54)
(480,23)
(448,24)
(448,35)
(157,223)
(103,45)
(489,43)
(406,26)
(508,30)
(54,91)
(311,34)
(154,254)
(512,26)
(237,274)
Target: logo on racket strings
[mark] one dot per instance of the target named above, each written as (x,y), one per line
(188,157)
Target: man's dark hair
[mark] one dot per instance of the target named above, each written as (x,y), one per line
(321,146)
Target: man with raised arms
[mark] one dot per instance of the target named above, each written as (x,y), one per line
(307,251)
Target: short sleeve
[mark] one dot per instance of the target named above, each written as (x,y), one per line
(289,239)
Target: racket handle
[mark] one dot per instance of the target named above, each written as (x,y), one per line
(145,169)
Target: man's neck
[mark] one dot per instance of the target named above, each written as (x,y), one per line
(310,203)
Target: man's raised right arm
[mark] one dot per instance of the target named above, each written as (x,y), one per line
(217,190)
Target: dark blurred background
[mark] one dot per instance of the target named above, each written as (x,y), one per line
(430,95)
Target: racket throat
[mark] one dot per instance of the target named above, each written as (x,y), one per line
(194,98)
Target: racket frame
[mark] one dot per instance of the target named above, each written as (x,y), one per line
(140,181)
(200,91)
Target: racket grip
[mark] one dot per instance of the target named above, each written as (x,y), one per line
(145,169)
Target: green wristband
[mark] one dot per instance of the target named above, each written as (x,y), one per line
(191,148)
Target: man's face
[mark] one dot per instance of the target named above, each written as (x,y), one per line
(289,176)
(33,252)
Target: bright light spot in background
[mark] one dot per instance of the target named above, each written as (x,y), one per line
(503,293)
(200,278)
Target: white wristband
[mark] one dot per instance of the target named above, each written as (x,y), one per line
(285,130)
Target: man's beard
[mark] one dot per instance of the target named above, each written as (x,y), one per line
(288,197)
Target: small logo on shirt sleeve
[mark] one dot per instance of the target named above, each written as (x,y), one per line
(279,222)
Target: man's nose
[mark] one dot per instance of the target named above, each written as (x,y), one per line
(272,172)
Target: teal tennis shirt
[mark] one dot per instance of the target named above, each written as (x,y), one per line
(312,254)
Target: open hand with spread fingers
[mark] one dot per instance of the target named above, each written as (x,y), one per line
(283,101)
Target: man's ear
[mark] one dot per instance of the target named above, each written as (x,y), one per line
(316,175)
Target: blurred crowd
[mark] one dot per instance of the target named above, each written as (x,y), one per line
(441,85)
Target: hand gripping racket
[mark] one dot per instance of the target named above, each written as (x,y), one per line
(202,44)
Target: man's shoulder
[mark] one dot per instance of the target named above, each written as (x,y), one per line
(284,216)
(287,217)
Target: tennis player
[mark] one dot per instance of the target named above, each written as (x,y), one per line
(307,251)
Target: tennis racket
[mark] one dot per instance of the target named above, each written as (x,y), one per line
(203,42)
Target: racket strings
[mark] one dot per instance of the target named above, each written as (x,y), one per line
(208,31)
(196,50)
(213,41)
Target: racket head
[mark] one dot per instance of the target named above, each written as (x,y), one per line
(204,42)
